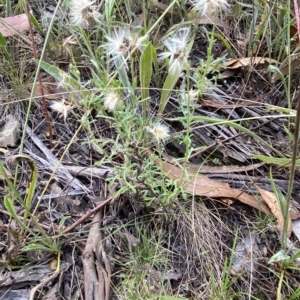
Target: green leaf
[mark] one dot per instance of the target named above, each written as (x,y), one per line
(281,161)
(8,203)
(36,24)
(33,247)
(146,70)
(278,75)
(145,77)
(13,189)
(279,196)
(155,60)
(62,222)
(279,256)
(3,47)
(168,86)
(122,72)
(108,9)
(31,184)
(221,38)
(171,298)
(65,79)
(294,257)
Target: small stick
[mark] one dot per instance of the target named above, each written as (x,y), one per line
(87,215)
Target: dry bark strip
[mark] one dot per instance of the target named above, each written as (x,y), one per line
(52,163)
(90,171)
(96,279)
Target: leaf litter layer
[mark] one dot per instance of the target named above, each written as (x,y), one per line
(162,171)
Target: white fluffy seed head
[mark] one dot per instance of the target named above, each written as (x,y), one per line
(122,42)
(82,12)
(159,131)
(209,6)
(177,49)
(111,100)
(61,107)
(189,97)
(116,43)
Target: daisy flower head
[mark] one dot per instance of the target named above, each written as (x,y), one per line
(111,99)
(177,49)
(209,6)
(82,12)
(159,131)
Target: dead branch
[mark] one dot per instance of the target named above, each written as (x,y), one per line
(96,281)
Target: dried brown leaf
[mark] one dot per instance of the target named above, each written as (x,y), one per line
(249,61)
(48,90)
(203,186)
(12,25)
(285,69)
(273,203)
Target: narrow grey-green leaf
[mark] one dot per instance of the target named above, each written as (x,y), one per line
(33,247)
(168,86)
(35,23)
(3,47)
(65,79)
(146,70)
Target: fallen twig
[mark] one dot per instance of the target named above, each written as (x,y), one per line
(87,215)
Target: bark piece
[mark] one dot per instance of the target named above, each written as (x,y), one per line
(96,278)
(9,131)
